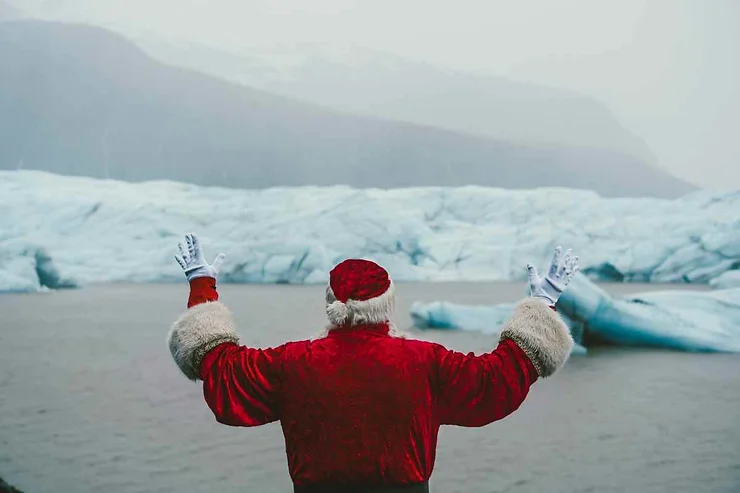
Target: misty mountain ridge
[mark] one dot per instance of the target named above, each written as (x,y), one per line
(371,83)
(80,100)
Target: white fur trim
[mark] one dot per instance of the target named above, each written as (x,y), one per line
(541,333)
(393,331)
(373,311)
(336,310)
(196,332)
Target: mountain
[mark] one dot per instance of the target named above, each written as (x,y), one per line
(372,83)
(80,100)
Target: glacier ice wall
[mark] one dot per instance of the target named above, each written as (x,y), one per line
(682,319)
(109,231)
(730,279)
(28,267)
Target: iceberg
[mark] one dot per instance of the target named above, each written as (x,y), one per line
(487,319)
(682,319)
(94,231)
(446,315)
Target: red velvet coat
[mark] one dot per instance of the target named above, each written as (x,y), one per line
(360,406)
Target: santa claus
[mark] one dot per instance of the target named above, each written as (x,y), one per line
(361,406)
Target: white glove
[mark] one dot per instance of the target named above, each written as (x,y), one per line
(194,263)
(558,277)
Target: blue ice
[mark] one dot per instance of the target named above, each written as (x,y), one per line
(682,319)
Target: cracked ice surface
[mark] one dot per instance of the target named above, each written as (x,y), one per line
(70,230)
(682,319)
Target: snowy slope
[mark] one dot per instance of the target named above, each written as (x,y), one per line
(57,231)
(682,319)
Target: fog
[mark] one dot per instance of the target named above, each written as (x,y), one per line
(669,70)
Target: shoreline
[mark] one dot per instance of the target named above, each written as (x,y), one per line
(616,286)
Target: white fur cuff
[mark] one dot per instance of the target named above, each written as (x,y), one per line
(541,334)
(197,331)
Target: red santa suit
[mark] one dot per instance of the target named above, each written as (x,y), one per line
(361,406)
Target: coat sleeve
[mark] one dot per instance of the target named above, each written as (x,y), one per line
(478,390)
(240,384)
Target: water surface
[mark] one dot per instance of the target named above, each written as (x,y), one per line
(90,401)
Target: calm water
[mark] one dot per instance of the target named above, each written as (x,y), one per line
(90,401)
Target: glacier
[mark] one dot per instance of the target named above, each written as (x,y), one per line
(60,231)
(730,279)
(688,320)
(26,267)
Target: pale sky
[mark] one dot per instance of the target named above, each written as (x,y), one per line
(668,69)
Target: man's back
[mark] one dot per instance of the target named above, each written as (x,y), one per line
(362,406)
(357,407)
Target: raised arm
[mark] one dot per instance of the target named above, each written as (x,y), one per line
(535,342)
(240,384)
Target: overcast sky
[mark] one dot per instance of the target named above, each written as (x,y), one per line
(669,69)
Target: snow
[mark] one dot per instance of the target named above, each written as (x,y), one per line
(59,231)
(681,319)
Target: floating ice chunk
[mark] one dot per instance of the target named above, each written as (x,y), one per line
(445,315)
(481,318)
(685,320)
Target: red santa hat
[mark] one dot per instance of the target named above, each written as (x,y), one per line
(359,292)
